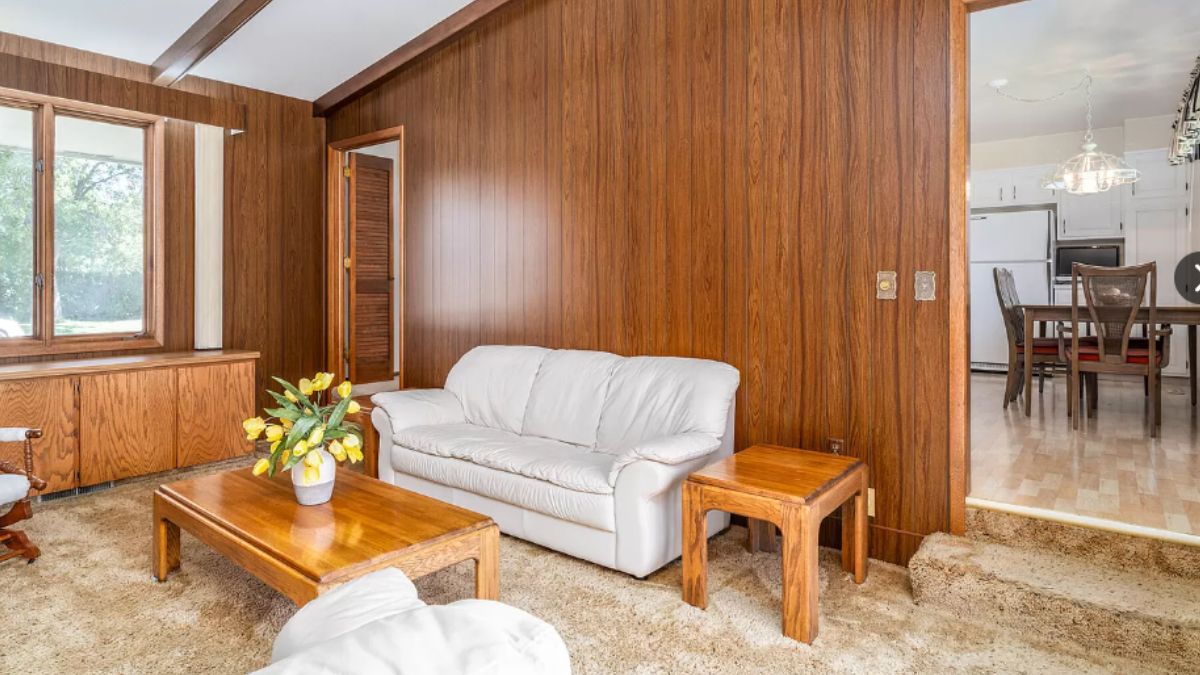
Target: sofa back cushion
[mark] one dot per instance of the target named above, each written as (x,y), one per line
(493,384)
(568,394)
(651,397)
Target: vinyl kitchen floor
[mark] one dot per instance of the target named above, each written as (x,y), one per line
(1110,468)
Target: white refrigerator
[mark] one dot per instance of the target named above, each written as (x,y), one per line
(1017,240)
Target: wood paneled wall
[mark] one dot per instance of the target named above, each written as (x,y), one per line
(273,200)
(711,178)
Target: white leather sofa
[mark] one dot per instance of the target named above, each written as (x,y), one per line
(582,452)
(376,624)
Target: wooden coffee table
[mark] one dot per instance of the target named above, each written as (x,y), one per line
(303,551)
(793,489)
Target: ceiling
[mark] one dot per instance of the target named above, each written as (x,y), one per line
(300,48)
(1140,54)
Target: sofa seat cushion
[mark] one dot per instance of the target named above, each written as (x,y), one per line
(563,464)
(585,508)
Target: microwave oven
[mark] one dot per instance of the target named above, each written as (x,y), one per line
(1100,255)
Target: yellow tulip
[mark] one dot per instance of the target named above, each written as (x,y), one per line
(317,435)
(337,450)
(253,427)
(355,454)
(351,441)
(306,386)
(345,388)
(287,424)
(311,474)
(313,458)
(322,381)
(290,396)
(275,445)
(300,448)
(353,407)
(261,466)
(274,432)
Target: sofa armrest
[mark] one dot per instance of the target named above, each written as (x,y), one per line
(669,450)
(416,407)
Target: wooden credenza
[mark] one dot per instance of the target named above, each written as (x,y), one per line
(113,418)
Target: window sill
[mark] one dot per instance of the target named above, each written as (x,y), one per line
(76,345)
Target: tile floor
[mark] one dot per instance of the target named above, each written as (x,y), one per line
(1109,468)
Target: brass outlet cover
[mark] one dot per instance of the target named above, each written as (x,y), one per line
(885,285)
(925,285)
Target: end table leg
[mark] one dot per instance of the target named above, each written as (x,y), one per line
(761,536)
(166,545)
(848,517)
(860,532)
(800,575)
(695,547)
(487,566)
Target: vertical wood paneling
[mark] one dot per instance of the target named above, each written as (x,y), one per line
(713,178)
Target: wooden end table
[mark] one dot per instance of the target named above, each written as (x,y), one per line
(303,551)
(794,489)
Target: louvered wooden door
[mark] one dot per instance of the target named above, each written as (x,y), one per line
(370,274)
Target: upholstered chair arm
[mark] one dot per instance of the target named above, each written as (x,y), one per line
(418,407)
(669,450)
(17,435)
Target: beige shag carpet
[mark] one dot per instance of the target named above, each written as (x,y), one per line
(89,605)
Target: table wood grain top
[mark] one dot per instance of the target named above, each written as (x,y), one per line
(366,522)
(777,472)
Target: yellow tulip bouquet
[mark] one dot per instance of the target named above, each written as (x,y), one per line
(307,421)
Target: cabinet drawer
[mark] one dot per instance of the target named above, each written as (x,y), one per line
(126,424)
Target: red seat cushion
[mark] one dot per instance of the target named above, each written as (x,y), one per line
(1139,351)
(1042,346)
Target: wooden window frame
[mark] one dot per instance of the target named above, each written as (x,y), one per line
(43,341)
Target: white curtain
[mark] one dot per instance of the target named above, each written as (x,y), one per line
(210,230)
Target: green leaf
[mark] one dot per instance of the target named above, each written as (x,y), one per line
(300,430)
(283,413)
(339,412)
(281,399)
(304,400)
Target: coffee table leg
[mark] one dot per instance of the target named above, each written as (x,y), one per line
(800,575)
(166,544)
(487,566)
(695,547)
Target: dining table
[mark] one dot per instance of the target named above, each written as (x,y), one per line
(1188,315)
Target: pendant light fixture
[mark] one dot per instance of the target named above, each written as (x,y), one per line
(1091,171)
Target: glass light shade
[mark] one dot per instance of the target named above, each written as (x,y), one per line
(1090,172)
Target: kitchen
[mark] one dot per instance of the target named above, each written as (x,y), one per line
(1048,75)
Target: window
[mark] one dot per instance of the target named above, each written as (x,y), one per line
(78,231)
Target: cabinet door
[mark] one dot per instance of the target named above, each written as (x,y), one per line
(47,404)
(126,424)
(1159,179)
(990,188)
(213,401)
(1095,216)
(1158,232)
(1026,186)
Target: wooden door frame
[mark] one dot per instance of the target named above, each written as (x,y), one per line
(959,291)
(335,244)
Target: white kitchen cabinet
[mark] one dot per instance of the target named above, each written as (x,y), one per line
(1159,179)
(1095,216)
(1011,187)
(1160,231)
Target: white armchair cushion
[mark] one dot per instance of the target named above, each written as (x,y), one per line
(493,384)
(565,465)
(12,434)
(666,450)
(14,487)
(653,397)
(568,394)
(415,407)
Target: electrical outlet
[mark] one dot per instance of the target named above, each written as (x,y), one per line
(870,502)
(836,446)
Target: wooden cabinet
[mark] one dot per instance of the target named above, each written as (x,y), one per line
(113,418)
(126,424)
(47,404)
(209,426)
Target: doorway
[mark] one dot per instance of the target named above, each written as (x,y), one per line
(365,260)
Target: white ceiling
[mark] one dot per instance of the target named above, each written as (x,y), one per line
(1140,53)
(300,48)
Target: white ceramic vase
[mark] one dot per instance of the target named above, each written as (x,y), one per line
(318,492)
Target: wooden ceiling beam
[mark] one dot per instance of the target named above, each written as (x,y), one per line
(221,21)
(439,33)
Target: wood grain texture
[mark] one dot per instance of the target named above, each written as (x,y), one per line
(273,197)
(213,27)
(370,276)
(126,424)
(49,405)
(53,369)
(212,401)
(718,178)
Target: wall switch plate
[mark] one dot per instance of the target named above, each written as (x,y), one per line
(870,502)
(836,446)
(885,285)
(925,284)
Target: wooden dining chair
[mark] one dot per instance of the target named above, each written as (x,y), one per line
(17,486)
(1045,350)
(1111,299)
